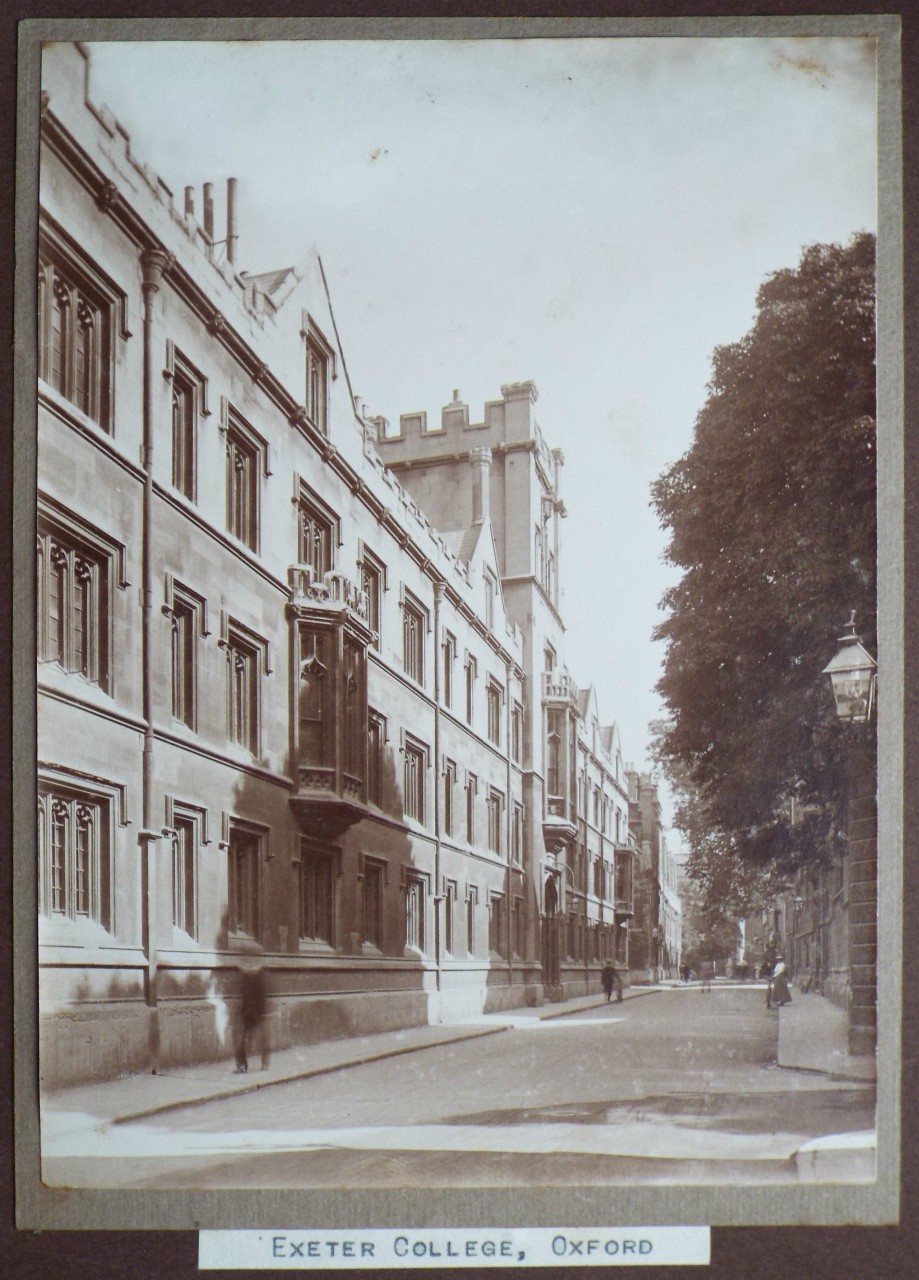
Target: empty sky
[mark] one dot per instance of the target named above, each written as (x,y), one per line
(595,215)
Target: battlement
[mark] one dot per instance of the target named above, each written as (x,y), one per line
(505,421)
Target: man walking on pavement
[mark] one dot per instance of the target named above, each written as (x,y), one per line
(253,1011)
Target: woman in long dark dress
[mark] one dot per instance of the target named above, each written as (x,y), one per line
(780,990)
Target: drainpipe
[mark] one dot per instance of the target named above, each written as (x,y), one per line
(153,263)
(438,886)
(508,816)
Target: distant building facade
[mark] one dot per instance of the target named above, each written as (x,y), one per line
(302,688)
(656,930)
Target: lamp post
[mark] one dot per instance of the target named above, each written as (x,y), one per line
(656,952)
(853,674)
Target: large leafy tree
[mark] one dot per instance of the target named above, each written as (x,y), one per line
(772,520)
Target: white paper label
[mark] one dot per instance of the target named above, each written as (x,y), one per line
(454,1247)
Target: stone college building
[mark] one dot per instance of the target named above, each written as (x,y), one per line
(302,691)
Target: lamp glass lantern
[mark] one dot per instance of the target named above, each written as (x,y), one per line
(853,675)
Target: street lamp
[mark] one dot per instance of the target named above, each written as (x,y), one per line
(853,674)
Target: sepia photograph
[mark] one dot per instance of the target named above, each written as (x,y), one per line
(467,751)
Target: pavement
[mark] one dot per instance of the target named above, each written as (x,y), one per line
(813,1034)
(137,1097)
(86,1121)
(811,1037)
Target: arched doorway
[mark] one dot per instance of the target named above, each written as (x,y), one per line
(551,923)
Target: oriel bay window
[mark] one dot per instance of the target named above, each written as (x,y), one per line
(554,727)
(332,721)
(561,776)
(339,760)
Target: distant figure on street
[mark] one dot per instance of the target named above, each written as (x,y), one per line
(684,971)
(608,978)
(708,969)
(777,992)
(251,1025)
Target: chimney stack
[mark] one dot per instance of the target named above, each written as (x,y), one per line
(189,202)
(232,230)
(209,210)
(480,461)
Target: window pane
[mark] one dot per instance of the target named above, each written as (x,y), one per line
(81,608)
(372,903)
(324,881)
(82,866)
(59,824)
(414,915)
(183,436)
(60,310)
(56,604)
(242,895)
(184,875)
(375,761)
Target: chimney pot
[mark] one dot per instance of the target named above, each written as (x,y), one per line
(232,229)
(209,210)
(189,202)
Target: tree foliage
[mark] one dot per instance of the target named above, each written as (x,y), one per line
(772,520)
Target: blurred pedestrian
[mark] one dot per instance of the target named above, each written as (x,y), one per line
(708,969)
(608,978)
(780,993)
(252,1015)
